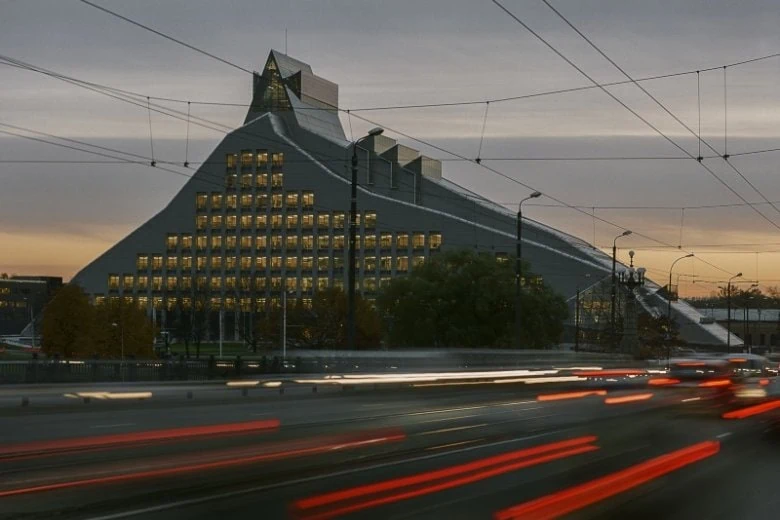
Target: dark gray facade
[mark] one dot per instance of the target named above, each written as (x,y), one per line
(269,210)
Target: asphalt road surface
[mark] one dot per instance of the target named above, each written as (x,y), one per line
(461,451)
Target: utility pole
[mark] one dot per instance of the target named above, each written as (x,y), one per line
(519,269)
(728,312)
(577,323)
(353,240)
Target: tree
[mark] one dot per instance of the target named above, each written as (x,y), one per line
(466,299)
(122,328)
(68,322)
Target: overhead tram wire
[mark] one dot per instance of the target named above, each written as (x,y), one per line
(632,111)
(661,105)
(436,147)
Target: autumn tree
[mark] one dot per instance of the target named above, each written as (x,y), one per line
(68,322)
(122,328)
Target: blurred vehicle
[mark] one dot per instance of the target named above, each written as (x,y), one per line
(754,376)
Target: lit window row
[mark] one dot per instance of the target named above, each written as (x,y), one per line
(250,159)
(292,199)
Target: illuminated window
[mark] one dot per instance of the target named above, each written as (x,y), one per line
(157,302)
(262,222)
(247,159)
(435,240)
(216,200)
(215,301)
(186,241)
(307,242)
(260,283)
(260,242)
(369,284)
(261,262)
(170,283)
(231,201)
(402,263)
(262,159)
(292,284)
(276,241)
(418,240)
(322,283)
(384,281)
(338,219)
(369,241)
(230,242)
(307,262)
(201,221)
(246,303)
(308,199)
(128,282)
(246,242)
(337,262)
(186,303)
(402,240)
(186,262)
(338,242)
(276,262)
(292,262)
(142,262)
(216,283)
(246,221)
(418,261)
(216,221)
(186,283)
(216,241)
(231,221)
(246,200)
(277,180)
(276,282)
(307,220)
(338,283)
(216,262)
(370,219)
(276,201)
(386,263)
(157,283)
(157,262)
(261,201)
(323,263)
(230,180)
(369,263)
(201,282)
(357,219)
(277,160)
(323,241)
(306,283)
(230,282)
(230,160)
(323,220)
(172,262)
(246,263)
(246,181)
(201,201)
(201,241)
(386,240)
(200,263)
(143,282)
(276,221)
(292,221)
(172,300)
(230,262)
(292,199)
(262,180)
(292,242)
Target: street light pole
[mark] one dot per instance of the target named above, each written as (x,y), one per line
(614,288)
(353,239)
(669,309)
(728,312)
(518,268)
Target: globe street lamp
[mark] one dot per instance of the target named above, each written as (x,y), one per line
(669,307)
(614,285)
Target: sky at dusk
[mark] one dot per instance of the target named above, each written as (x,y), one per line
(55,217)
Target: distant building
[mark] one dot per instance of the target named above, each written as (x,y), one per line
(759,329)
(22,297)
(268,212)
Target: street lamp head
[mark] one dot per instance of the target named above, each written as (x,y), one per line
(626,233)
(535,195)
(689,255)
(737,275)
(376,131)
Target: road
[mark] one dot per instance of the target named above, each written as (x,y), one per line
(457,451)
